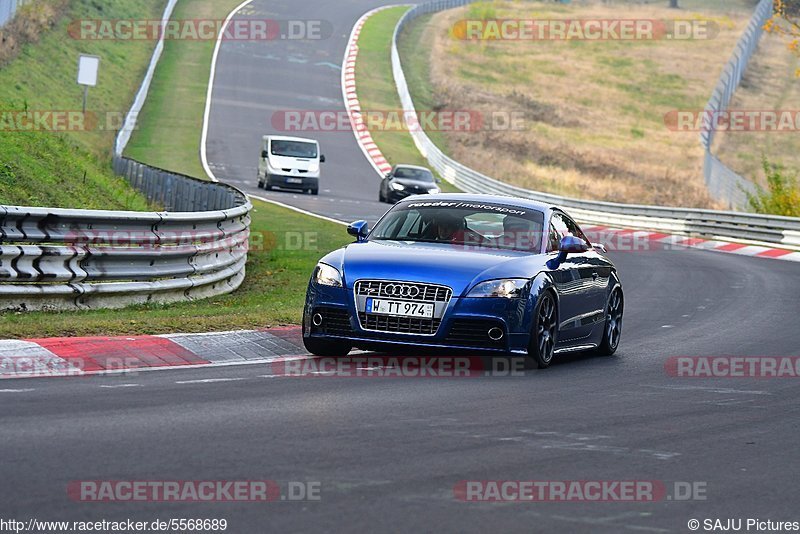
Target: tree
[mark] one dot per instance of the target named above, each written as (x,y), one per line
(785,22)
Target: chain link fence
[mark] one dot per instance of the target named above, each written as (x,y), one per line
(724,184)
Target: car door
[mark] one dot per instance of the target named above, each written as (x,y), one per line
(575,280)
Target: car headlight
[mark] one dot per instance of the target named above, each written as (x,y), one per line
(509,288)
(397,187)
(314,167)
(434,191)
(327,276)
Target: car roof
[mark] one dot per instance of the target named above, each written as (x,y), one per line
(287,138)
(516,202)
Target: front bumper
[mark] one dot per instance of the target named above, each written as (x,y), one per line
(285,181)
(397,196)
(464,325)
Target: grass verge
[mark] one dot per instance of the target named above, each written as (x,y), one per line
(171,121)
(71,169)
(377,91)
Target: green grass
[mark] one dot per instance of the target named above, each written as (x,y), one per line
(376,88)
(171,121)
(72,169)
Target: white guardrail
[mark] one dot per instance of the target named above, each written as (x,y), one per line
(723,225)
(197,247)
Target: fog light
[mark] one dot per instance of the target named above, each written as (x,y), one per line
(317,319)
(496,334)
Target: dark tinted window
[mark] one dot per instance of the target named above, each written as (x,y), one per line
(478,224)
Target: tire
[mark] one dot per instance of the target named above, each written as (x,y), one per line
(260,184)
(314,191)
(612,328)
(268,187)
(544,332)
(329,348)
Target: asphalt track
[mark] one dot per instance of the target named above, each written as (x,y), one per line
(387,452)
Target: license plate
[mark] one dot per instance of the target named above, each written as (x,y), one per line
(400,308)
(294,180)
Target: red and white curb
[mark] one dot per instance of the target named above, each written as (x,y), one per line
(80,356)
(352,104)
(626,240)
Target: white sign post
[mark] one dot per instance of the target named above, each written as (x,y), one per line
(87,74)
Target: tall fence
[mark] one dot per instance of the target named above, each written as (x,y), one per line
(724,184)
(8,8)
(708,223)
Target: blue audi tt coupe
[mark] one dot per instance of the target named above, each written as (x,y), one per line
(467,272)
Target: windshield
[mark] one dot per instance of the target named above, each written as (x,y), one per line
(479,225)
(294,149)
(422,175)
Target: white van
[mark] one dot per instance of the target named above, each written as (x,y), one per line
(289,163)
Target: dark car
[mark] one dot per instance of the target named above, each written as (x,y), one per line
(466,272)
(406,180)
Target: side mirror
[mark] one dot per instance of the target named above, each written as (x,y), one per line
(569,245)
(389,175)
(264,154)
(359,230)
(438,180)
(322,158)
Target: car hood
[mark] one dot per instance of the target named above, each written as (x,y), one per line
(408,182)
(436,263)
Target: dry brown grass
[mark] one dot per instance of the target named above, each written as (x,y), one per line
(594,111)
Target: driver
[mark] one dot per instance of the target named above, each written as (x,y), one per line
(448,226)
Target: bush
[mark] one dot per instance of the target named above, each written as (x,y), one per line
(782,196)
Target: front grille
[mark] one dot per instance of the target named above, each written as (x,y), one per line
(474,333)
(401,325)
(403,290)
(335,321)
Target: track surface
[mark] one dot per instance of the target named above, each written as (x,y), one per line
(388,452)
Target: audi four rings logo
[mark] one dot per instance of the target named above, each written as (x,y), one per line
(400,290)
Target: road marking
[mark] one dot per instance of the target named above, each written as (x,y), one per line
(210,91)
(209,380)
(16,390)
(115,386)
(712,389)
